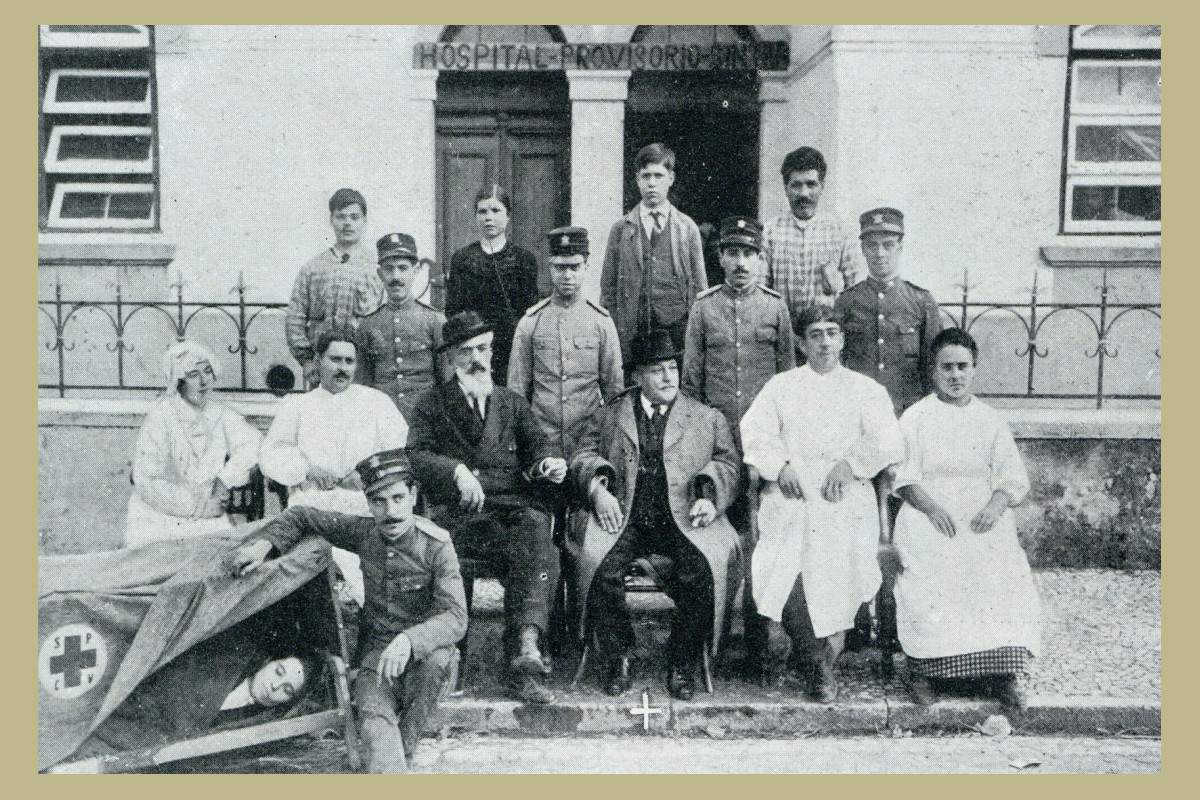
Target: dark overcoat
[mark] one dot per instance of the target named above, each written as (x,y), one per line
(696,442)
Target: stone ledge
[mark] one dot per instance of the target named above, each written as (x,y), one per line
(1046,715)
(1026,423)
(105,253)
(1102,255)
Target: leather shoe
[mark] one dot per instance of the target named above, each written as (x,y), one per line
(528,689)
(824,685)
(921,690)
(680,683)
(530,664)
(620,676)
(1012,693)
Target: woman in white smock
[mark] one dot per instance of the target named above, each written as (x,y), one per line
(966,604)
(191,451)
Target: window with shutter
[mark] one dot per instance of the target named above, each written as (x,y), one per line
(98,166)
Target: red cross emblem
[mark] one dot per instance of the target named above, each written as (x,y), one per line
(878,219)
(566,239)
(71,661)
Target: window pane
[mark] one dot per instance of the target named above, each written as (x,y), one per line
(1118,143)
(1116,203)
(103,88)
(82,206)
(1118,36)
(94,28)
(130,206)
(110,148)
(1120,85)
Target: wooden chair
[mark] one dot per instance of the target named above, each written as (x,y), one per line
(651,574)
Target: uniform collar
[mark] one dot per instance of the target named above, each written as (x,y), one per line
(405,306)
(729,290)
(882,285)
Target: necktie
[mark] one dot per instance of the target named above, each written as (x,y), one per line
(657,226)
(477,404)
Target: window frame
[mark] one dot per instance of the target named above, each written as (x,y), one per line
(56,220)
(120,54)
(1104,52)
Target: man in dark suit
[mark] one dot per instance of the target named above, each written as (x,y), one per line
(478,451)
(658,470)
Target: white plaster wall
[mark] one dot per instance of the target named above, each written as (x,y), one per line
(962,130)
(260,125)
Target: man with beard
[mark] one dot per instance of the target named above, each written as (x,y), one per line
(415,608)
(335,288)
(818,434)
(317,437)
(810,257)
(479,453)
(398,341)
(738,336)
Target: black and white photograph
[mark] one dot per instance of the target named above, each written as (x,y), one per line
(581,399)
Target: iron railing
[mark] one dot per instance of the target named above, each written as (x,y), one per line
(1016,340)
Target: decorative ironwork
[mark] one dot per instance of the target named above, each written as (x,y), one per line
(983,318)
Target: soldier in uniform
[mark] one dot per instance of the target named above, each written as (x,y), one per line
(889,322)
(398,342)
(566,359)
(738,335)
(889,325)
(415,612)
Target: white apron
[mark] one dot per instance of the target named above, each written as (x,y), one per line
(832,545)
(144,524)
(974,591)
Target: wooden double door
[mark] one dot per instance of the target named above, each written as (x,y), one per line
(527,154)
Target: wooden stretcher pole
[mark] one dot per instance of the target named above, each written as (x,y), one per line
(341,684)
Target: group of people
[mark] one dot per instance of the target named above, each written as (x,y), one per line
(670,419)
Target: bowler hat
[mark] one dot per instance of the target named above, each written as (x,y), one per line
(741,230)
(568,241)
(651,348)
(881,220)
(383,469)
(461,327)
(396,244)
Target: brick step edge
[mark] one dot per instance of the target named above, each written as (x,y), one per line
(1045,715)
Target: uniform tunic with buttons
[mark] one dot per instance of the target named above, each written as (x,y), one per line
(888,330)
(396,350)
(735,343)
(413,582)
(566,360)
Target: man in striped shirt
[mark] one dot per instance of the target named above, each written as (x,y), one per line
(810,257)
(338,286)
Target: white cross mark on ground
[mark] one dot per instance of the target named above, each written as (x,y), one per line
(645,710)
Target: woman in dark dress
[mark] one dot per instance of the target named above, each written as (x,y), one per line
(493,277)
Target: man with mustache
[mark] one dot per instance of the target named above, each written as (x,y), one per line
(810,256)
(336,287)
(317,437)
(415,609)
(658,470)
(399,340)
(478,451)
(738,336)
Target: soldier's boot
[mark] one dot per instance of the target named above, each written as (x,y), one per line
(385,750)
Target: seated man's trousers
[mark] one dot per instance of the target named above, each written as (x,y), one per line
(690,587)
(415,693)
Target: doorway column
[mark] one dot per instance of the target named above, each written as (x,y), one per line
(421,206)
(597,152)
(776,137)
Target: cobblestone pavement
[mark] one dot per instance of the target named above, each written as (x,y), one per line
(1101,637)
(963,753)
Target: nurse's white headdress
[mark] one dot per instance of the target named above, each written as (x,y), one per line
(183,357)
